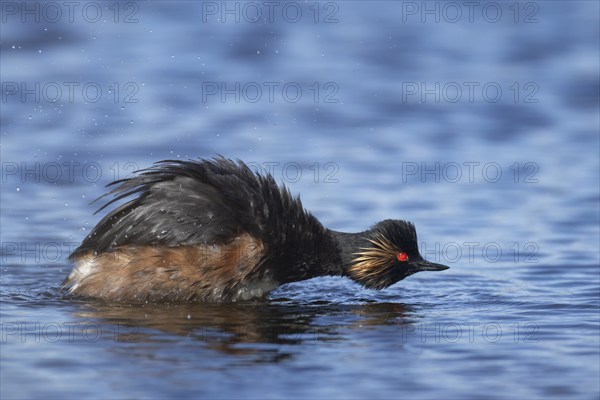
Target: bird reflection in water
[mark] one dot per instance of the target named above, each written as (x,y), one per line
(242,328)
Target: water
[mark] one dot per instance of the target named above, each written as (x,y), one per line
(483,130)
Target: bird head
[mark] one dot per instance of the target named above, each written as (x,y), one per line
(390,255)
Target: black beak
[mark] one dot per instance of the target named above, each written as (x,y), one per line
(425,265)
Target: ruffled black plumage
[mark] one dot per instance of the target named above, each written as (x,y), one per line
(182,203)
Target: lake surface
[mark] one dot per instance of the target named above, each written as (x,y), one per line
(479,122)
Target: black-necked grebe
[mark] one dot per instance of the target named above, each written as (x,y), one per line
(213,230)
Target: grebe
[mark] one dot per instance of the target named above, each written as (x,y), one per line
(213,230)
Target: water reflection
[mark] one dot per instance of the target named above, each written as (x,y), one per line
(240,329)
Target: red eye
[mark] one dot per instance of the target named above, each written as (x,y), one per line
(402,257)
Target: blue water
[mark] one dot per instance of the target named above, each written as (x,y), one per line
(480,125)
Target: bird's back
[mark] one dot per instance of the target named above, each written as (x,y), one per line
(186,203)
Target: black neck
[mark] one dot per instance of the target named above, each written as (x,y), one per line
(348,244)
(327,254)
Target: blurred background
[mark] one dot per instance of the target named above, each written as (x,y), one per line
(479,121)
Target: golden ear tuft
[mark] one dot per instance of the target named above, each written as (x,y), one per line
(373,261)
